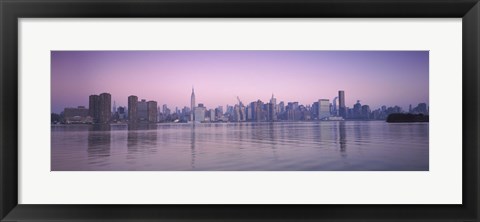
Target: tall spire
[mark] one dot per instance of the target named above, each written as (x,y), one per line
(192,105)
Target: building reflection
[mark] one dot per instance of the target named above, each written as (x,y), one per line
(132,138)
(149,138)
(272,138)
(142,138)
(342,136)
(99,141)
(192,146)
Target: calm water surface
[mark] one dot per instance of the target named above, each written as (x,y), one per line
(279,146)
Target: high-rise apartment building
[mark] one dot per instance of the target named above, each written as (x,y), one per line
(357,110)
(142,110)
(105,108)
(199,115)
(342,109)
(152,111)
(323,108)
(94,107)
(132,109)
(272,115)
(212,115)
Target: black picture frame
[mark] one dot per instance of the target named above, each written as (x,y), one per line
(12,10)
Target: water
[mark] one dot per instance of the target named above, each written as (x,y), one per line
(278,146)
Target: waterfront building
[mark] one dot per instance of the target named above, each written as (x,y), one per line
(303,113)
(259,111)
(292,106)
(94,107)
(243,114)
(357,110)
(79,114)
(342,110)
(273,101)
(248,112)
(132,109)
(212,115)
(229,110)
(105,113)
(142,111)
(253,107)
(365,112)
(281,107)
(152,111)
(334,107)
(199,115)
(272,115)
(219,112)
(323,108)
(236,114)
(314,110)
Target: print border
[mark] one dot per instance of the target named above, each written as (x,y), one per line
(12,10)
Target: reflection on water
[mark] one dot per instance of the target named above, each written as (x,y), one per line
(98,144)
(279,146)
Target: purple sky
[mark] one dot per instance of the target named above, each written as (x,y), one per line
(374,77)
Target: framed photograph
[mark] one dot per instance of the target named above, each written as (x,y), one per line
(226,110)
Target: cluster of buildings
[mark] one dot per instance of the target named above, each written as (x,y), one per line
(259,111)
(98,111)
(142,111)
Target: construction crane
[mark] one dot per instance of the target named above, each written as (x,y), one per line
(239,101)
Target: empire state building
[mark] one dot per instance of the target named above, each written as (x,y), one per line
(192,106)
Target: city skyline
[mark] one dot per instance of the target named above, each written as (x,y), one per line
(376,78)
(100,111)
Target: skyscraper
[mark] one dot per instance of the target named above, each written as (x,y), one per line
(142,112)
(94,107)
(259,111)
(323,108)
(357,110)
(132,109)
(253,107)
(199,114)
(365,112)
(334,107)
(281,107)
(105,108)
(212,115)
(114,110)
(342,111)
(272,116)
(273,101)
(152,111)
(192,105)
